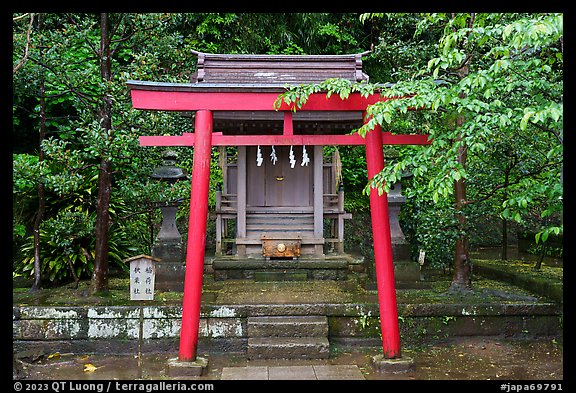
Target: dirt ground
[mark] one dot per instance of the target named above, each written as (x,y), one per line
(474,358)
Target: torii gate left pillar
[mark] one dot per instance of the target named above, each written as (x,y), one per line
(196,236)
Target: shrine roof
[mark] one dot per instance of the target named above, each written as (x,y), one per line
(248,73)
(267,71)
(262,73)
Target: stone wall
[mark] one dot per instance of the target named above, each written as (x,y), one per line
(223,328)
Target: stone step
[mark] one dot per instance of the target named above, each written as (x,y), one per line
(237,263)
(288,326)
(280,276)
(288,348)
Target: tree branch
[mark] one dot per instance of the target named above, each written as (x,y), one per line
(148,210)
(94,49)
(27,46)
(518,179)
(551,131)
(86,99)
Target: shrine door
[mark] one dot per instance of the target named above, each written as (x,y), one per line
(279,185)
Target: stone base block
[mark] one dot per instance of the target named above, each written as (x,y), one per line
(398,365)
(170,276)
(179,368)
(406,276)
(406,271)
(168,251)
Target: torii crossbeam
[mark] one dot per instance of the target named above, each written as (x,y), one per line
(205,100)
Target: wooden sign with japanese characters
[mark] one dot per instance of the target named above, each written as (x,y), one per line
(142,274)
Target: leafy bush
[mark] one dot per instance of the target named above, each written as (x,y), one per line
(67,248)
(432,228)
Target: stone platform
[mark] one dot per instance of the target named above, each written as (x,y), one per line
(228,307)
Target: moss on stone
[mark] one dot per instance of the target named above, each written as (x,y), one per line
(507,288)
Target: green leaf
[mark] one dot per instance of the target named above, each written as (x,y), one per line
(388,117)
(524,121)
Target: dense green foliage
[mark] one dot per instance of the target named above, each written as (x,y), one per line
(502,75)
(511,99)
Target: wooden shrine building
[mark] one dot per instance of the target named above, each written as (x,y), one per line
(278,196)
(278,187)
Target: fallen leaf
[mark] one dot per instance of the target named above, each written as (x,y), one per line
(88,368)
(55,355)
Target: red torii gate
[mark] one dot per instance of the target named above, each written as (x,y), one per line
(188,97)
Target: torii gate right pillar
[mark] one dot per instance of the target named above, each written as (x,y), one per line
(382,250)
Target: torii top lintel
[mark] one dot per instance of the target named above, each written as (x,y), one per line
(237,86)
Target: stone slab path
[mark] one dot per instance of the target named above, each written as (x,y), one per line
(316,372)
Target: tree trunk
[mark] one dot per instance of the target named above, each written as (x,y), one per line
(36,229)
(461,280)
(100,276)
(504,255)
(41,198)
(538,265)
